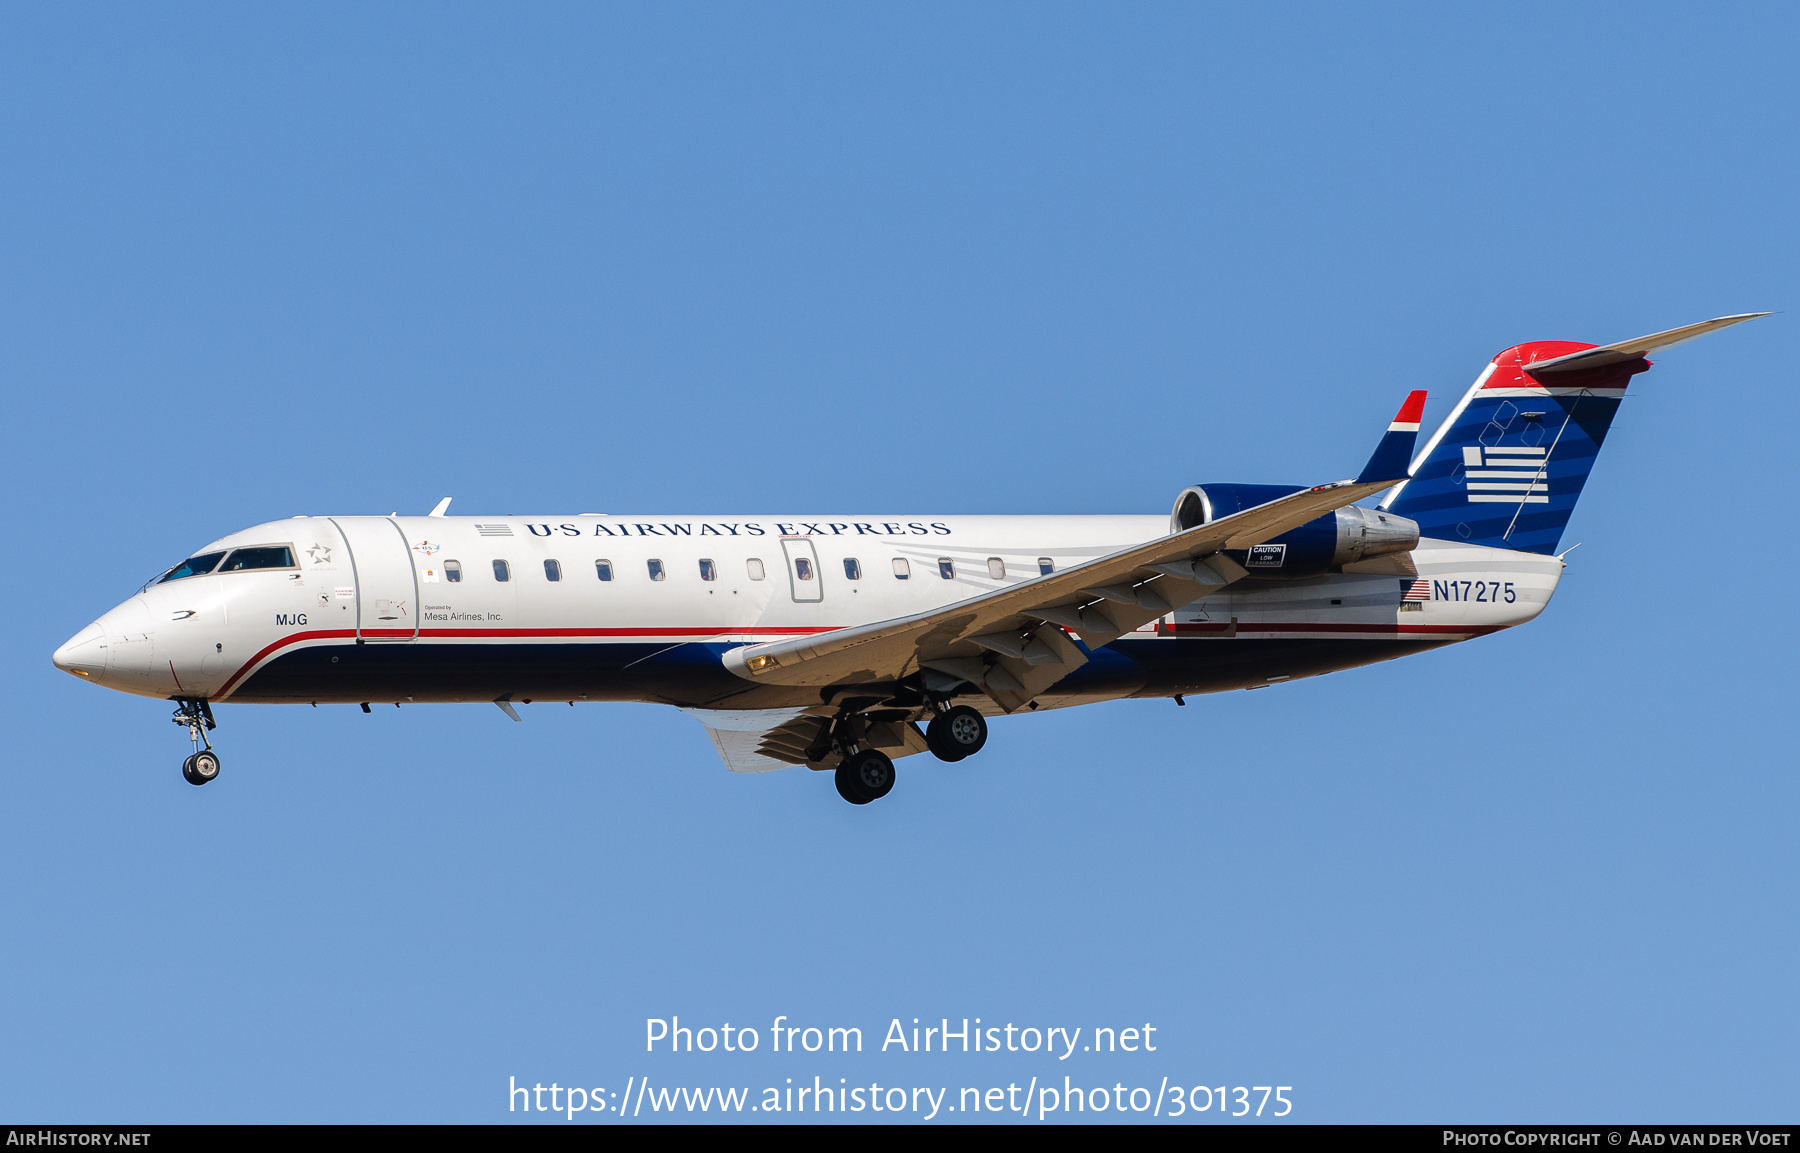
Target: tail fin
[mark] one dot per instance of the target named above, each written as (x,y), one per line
(1507,465)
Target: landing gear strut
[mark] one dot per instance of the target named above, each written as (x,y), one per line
(956,733)
(203,764)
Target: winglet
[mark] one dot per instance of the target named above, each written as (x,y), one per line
(1394,454)
(443,507)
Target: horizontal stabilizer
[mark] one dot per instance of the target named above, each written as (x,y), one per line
(1629,350)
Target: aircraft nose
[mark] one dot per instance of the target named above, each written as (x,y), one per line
(83,654)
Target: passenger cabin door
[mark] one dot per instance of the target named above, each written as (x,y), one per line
(387,587)
(803,569)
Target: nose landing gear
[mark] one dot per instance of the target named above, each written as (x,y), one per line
(203,764)
(200,767)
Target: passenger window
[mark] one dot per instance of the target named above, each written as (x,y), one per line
(756,569)
(996,568)
(946,568)
(852,568)
(603,569)
(273,556)
(453,571)
(803,568)
(193,566)
(902,570)
(552,570)
(501,572)
(1046,566)
(708,572)
(656,570)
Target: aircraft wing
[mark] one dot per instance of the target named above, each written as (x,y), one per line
(1014,642)
(763,740)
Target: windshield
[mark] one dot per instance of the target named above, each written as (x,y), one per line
(266,556)
(193,566)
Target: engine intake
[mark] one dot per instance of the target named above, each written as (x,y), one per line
(1316,547)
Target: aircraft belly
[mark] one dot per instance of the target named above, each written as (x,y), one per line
(1216,666)
(664,672)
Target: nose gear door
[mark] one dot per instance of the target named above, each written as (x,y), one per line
(387,587)
(803,569)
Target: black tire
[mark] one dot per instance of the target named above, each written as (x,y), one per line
(937,739)
(201,767)
(956,733)
(848,786)
(875,772)
(864,777)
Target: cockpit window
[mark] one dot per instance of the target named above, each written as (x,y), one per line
(193,566)
(266,556)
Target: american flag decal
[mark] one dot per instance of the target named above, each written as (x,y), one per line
(1418,590)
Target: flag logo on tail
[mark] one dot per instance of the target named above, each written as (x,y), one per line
(1415,590)
(1506,475)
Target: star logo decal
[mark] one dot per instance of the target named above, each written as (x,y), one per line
(319,554)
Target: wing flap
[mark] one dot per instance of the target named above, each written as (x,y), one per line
(764,740)
(760,740)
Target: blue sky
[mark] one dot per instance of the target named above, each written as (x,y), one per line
(924,259)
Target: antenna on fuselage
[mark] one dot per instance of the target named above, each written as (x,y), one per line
(442,507)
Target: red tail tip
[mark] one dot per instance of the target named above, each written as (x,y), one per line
(1413,409)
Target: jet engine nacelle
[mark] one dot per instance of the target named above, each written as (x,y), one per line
(1316,547)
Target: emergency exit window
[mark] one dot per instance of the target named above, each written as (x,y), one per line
(453,571)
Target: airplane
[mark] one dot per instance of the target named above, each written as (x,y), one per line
(843,643)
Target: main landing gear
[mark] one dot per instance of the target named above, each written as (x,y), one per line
(865,773)
(956,733)
(202,764)
(865,776)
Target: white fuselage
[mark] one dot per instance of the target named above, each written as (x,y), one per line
(414,608)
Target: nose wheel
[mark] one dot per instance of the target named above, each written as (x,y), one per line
(202,764)
(200,767)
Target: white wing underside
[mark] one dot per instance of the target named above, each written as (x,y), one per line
(763,740)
